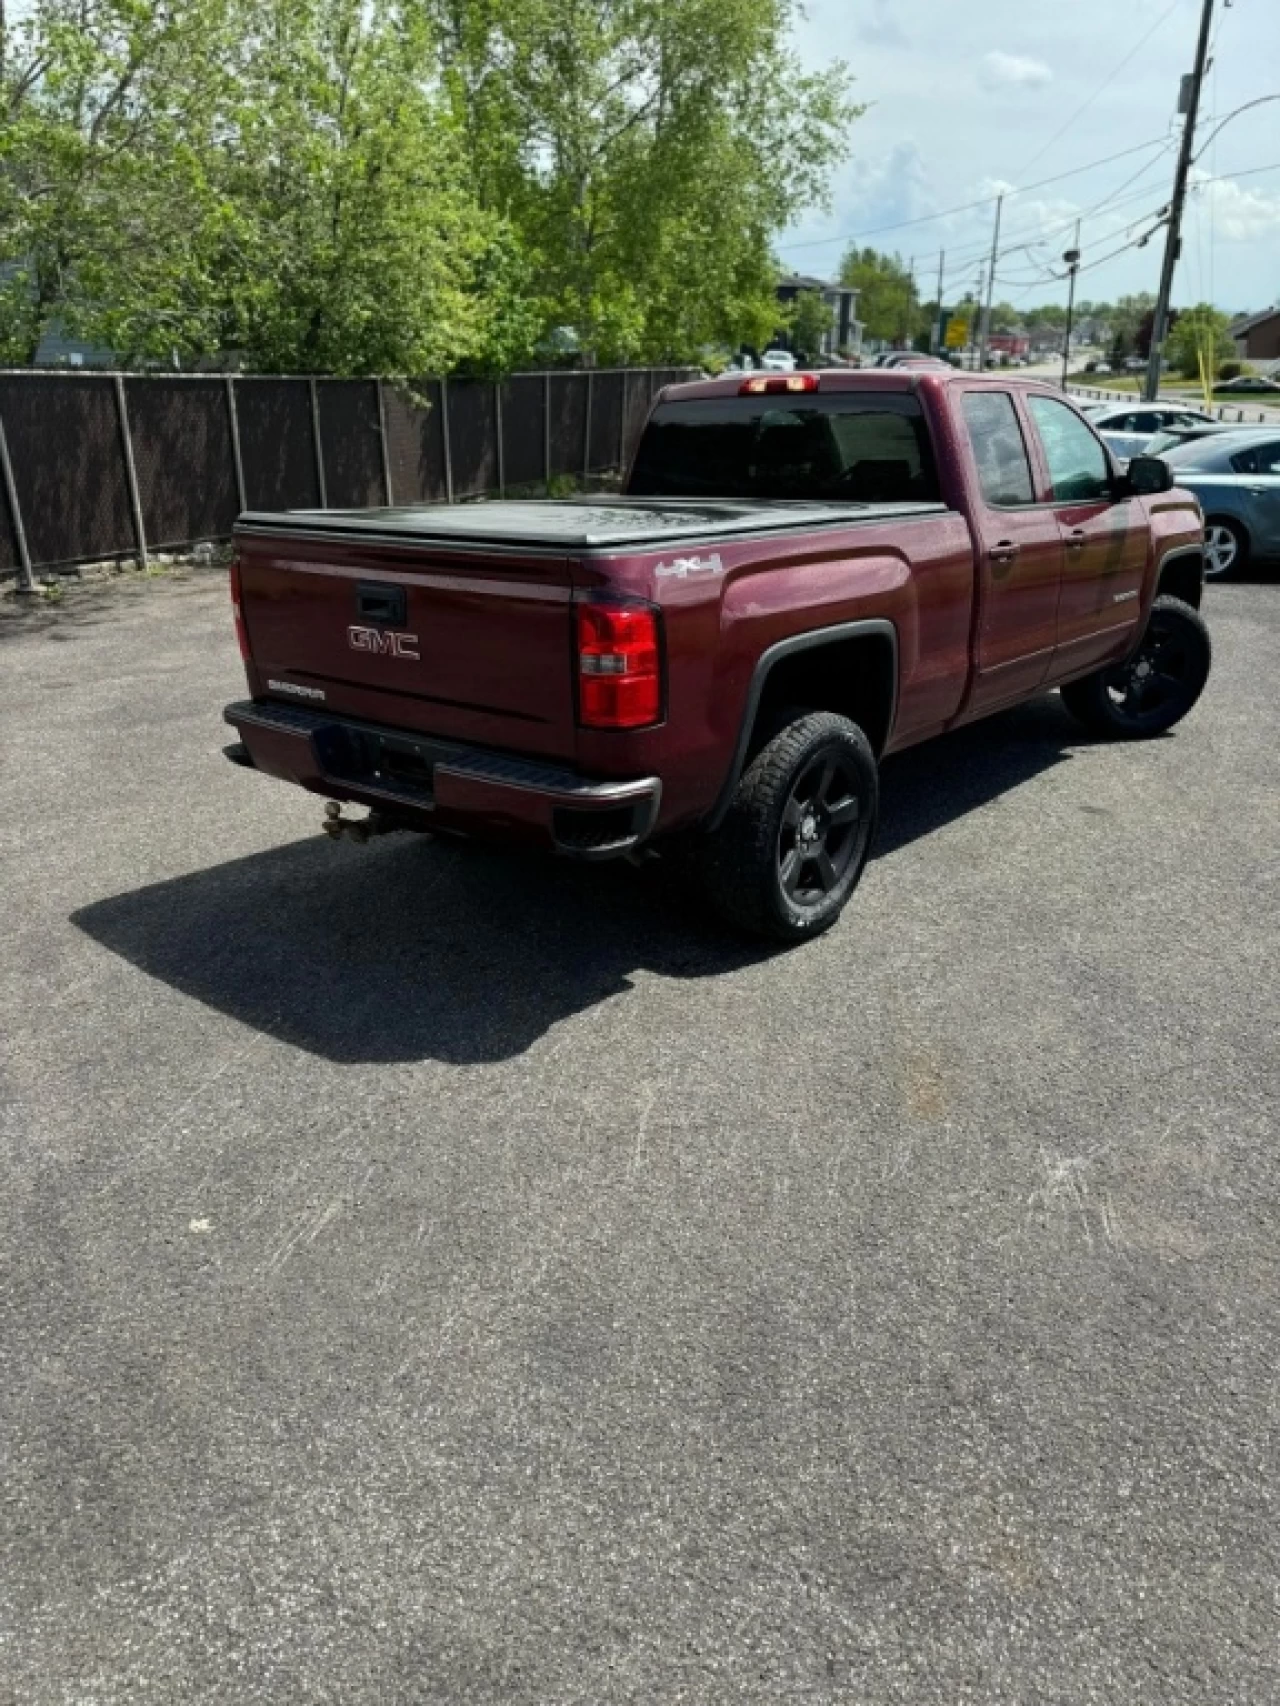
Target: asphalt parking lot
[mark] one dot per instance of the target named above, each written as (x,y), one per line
(432,1276)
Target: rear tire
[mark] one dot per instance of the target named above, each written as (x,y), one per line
(793,843)
(1156,686)
(1226,548)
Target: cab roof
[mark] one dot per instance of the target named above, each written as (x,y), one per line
(834,379)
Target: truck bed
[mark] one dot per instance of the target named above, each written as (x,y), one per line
(598,523)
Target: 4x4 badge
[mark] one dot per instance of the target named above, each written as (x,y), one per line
(681,567)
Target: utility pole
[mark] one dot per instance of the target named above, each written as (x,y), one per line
(977,296)
(991,285)
(1072,258)
(937,330)
(1173,238)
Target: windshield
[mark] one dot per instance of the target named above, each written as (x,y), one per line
(1188,453)
(868,447)
(1163,443)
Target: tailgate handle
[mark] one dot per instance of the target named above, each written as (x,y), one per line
(378,603)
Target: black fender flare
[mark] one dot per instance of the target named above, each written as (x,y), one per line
(877,627)
(1181,553)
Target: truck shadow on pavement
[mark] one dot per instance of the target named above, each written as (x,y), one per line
(410,948)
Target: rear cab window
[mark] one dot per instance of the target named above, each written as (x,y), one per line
(852,446)
(999,449)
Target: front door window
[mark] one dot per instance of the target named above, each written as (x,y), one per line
(1078,468)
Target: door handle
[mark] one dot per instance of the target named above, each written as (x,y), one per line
(1004,551)
(1076,539)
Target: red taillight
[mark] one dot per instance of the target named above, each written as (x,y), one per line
(619,666)
(762,386)
(242,637)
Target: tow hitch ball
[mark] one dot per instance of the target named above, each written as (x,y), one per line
(359,829)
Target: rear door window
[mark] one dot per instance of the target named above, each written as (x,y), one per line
(998,448)
(1078,467)
(857,447)
(1258,459)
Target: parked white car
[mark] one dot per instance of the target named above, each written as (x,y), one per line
(778,361)
(1127,428)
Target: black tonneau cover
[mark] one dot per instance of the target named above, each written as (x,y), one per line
(599,523)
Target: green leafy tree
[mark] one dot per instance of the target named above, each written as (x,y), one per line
(356,244)
(809,322)
(887,302)
(396,186)
(647,154)
(1051,316)
(106,208)
(1201,332)
(270,177)
(1127,318)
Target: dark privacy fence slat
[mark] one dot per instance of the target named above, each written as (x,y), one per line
(67,451)
(415,443)
(472,410)
(181,433)
(606,421)
(277,444)
(523,430)
(70,439)
(351,440)
(567,412)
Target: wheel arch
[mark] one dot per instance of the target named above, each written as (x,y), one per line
(1230,517)
(1181,575)
(815,669)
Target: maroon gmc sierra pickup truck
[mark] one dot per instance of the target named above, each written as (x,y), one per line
(804,573)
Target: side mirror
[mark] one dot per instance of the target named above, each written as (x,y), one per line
(1147,475)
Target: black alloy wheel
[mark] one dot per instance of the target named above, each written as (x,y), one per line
(1156,685)
(819,837)
(797,832)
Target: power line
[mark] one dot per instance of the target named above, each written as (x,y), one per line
(1113,198)
(1104,85)
(1138,242)
(1207,143)
(1047,232)
(983,201)
(1051,231)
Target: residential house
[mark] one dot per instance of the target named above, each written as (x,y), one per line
(842,299)
(1257,336)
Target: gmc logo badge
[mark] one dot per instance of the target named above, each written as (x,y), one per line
(383,641)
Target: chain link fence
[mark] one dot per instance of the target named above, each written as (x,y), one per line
(99,466)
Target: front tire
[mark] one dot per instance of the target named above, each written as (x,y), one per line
(1226,548)
(1155,687)
(793,843)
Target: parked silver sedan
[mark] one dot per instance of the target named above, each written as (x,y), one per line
(1236,476)
(1126,428)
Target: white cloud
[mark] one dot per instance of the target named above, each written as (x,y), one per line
(1237,214)
(932,140)
(1014,70)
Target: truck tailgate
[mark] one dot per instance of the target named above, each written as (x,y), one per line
(473,644)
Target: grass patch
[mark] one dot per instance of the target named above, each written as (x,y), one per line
(1182,390)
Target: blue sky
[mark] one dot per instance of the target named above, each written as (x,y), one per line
(964,101)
